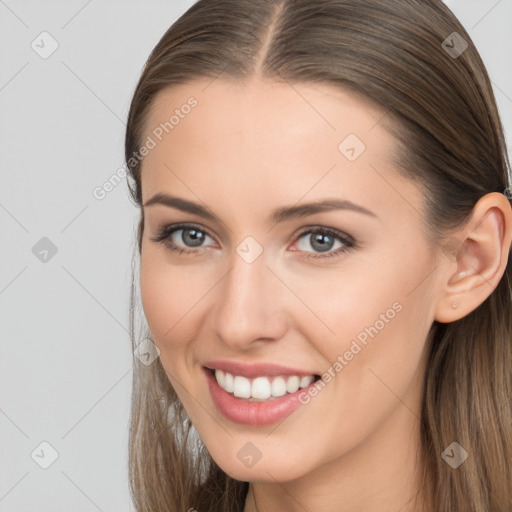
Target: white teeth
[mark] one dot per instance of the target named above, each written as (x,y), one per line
(261,388)
(278,386)
(293,384)
(219,375)
(306,381)
(229,383)
(242,387)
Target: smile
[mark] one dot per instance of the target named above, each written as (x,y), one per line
(263,396)
(261,388)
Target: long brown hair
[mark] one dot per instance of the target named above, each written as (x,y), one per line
(441,109)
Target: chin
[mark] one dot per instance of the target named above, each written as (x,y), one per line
(278,467)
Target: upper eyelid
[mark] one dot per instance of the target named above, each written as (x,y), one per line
(186,226)
(301,232)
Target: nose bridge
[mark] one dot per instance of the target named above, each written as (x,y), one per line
(248,303)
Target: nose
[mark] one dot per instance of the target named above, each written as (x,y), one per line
(250,308)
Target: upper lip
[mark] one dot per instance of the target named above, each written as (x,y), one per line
(255,370)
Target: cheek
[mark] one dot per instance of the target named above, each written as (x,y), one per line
(155,301)
(368,320)
(166,297)
(349,304)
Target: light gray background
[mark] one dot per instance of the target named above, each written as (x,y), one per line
(65,361)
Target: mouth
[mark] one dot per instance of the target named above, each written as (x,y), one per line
(261,388)
(257,400)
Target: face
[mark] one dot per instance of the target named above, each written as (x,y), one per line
(239,276)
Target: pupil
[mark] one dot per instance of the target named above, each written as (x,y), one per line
(195,237)
(320,239)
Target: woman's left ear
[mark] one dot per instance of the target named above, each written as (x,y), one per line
(481,250)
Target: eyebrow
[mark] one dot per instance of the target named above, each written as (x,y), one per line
(278,215)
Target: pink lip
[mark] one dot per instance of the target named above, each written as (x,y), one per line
(251,371)
(244,412)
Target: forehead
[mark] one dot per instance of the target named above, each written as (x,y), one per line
(260,107)
(265,137)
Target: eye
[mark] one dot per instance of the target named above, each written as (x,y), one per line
(187,234)
(189,238)
(324,240)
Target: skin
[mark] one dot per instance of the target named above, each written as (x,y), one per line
(244,151)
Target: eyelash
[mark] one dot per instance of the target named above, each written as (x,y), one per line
(164,236)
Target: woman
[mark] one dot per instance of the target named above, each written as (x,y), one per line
(325,270)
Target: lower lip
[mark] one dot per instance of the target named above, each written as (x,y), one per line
(242,411)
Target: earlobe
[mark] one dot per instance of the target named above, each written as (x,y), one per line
(480,259)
